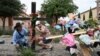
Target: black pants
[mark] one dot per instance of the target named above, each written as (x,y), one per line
(68,47)
(96,44)
(46,41)
(21,44)
(98,53)
(70,30)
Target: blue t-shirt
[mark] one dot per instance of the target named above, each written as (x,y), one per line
(17,37)
(58,27)
(71,22)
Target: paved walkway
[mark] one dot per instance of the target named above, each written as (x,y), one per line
(8,49)
(58,50)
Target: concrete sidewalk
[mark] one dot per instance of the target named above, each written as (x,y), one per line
(7,49)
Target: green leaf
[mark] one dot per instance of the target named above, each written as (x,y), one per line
(10,8)
(58,7)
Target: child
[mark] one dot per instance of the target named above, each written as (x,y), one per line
(69,41)
(90,31)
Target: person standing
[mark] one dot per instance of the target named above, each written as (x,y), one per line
(71,23)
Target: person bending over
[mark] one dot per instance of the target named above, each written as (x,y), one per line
(19,34)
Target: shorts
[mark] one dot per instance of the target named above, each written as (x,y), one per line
(46,41)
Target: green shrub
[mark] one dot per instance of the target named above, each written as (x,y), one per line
(7,31)
(57,40)
(27,52)
(54,31)
(91,23)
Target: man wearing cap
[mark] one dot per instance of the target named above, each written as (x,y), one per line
(44,32)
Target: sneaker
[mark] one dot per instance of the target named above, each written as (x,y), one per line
(51,48)
(44,48)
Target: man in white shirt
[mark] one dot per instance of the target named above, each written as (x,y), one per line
(89,41)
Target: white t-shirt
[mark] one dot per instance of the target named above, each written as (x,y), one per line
(97,35)
(66,19)
(61,21)
(85,38)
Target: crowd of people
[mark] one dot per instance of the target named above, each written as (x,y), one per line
(69,21)
(91,38)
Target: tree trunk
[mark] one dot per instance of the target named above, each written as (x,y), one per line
(10,22)
(56,17)
(3,25)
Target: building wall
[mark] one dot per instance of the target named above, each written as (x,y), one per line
(86,15)
(0,22)
(94,13)
(26,22)
(6,22)
(81,16)
(7,26)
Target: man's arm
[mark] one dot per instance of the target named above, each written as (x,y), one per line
(41,30)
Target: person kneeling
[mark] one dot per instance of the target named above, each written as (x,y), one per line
(44,32)
(85,38)
(69,41)
(18,39)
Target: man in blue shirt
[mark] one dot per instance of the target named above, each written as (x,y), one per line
(19,36)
